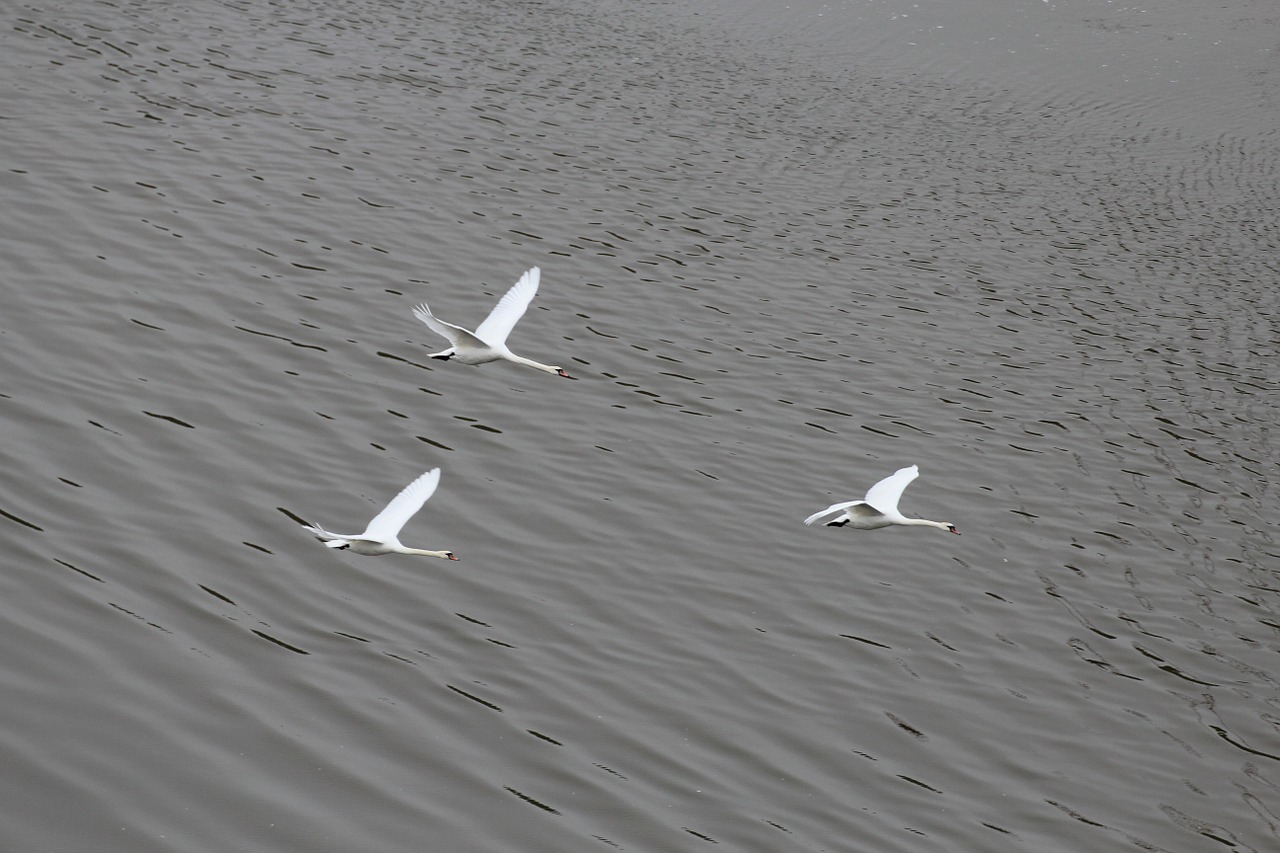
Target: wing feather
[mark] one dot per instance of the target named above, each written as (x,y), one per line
(331,540)
(386,524)
(510,308)
(829,510)
(885,494)
(456,335)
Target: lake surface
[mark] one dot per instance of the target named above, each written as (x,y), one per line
(786,249)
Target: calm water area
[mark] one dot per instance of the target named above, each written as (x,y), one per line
(786,249)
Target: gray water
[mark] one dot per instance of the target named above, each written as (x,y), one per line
(1030,247)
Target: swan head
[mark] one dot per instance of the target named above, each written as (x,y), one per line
(449,555)
(951,528)
(560,371)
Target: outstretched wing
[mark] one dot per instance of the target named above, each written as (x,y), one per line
(856,509)
(320,533)
(829,510)
(386,524)
(885,494)
(332,540)
(510,308)
(456,335)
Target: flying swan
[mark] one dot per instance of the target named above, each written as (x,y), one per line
(489,341)
(382,534)
(880,507)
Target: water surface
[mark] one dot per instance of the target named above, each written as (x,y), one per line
(787,251)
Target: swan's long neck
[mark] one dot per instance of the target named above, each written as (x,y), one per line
(444,555)
(924,522)
(528,362)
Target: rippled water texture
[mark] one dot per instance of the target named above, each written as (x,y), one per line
(786,251)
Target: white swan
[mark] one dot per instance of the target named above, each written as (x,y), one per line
(489,341)
(880,507)
(381,536)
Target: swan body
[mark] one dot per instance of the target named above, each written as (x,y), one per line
(382,534)
(489,341)
(880,507)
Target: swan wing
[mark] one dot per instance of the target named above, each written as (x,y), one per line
(829,510)
(510,308)
(386,524)
(456,335)
(320,533)
(885,494)
(331,540)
